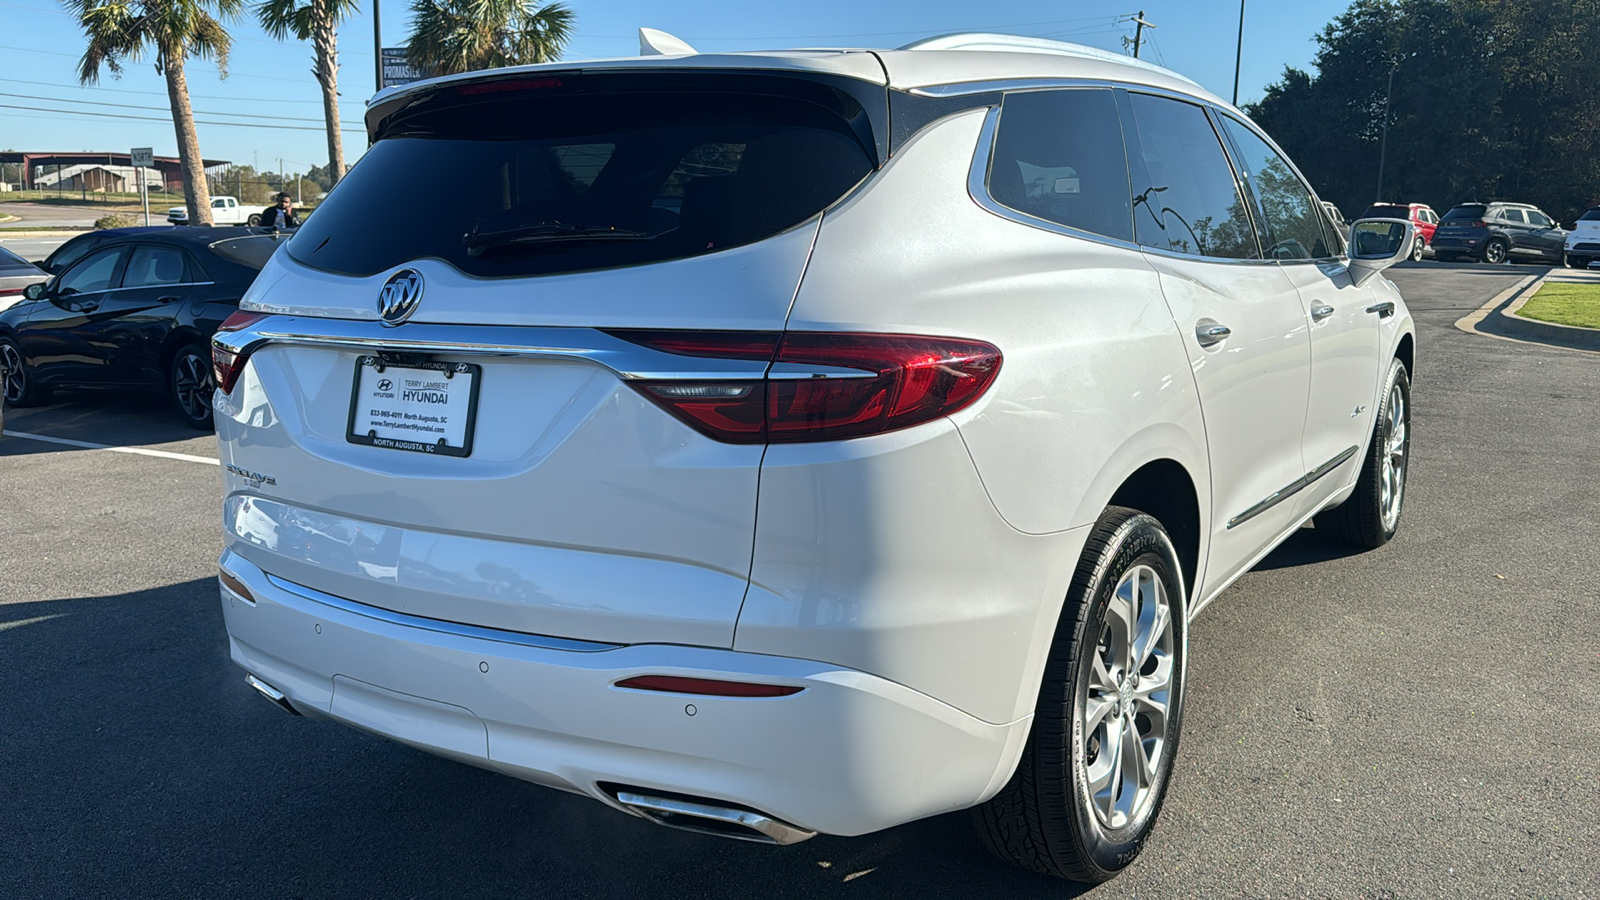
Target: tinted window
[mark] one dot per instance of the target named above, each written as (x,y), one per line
(1431,217)
(1294,229)
(71,252)
(1513,215)
(1592,215)
(1538,218)
(93,274)
(253,251)
(11,260)
(1387,212)
(150,266)
(1058,155)
(1187,201)
(1470,213)
(544,182)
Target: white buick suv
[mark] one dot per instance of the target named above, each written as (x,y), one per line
(801,442)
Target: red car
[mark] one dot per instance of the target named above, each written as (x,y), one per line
(1420,214)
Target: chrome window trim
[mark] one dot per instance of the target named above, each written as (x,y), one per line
(439,626)
(1292,488)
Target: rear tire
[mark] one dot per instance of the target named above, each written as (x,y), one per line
(1371,515)
(19,389)
(254,221)
(1086,793)
(1574,262)
(190,384)
(1494,251)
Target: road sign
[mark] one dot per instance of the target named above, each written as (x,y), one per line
(143,157)
(396,70)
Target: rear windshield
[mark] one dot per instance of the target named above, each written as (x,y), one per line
(253,251)
(1387,212)
(506,181)
(1592,215)
(9,260)
(1465,213)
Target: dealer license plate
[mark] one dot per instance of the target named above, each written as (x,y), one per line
(423,407)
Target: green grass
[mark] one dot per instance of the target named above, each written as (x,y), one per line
(1565,304)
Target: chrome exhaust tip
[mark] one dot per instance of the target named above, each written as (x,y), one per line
(271,693)
(711,817)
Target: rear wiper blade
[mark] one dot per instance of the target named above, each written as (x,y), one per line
(479,242)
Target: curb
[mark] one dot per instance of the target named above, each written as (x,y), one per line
(1498,319)
(9,218)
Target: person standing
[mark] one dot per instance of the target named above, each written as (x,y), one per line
(281,214)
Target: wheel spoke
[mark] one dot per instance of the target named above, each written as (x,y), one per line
(1100,679)
(1122,617)
(1152,635)
(1095,712)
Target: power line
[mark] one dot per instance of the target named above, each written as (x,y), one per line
(155,119)
(203,112)
(79,87)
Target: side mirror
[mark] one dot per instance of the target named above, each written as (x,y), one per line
(34,291)
(1377,244)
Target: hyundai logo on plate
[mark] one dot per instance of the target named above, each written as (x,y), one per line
(400,296)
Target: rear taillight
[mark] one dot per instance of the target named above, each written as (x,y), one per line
(7,292)
(225,363)
(821,386)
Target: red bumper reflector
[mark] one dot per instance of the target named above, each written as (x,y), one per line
(673,684)
(225,364)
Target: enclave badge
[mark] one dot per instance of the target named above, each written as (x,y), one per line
(400,296)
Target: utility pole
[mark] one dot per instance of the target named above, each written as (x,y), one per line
(377,49)
(1138,32)
(1238,55)
(1383,146)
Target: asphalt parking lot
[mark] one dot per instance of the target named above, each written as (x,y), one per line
(1418,721)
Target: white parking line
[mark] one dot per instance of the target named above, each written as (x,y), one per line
(85,445)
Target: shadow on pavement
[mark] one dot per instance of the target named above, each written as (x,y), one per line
(138,763)
(1304,547)
(104,417)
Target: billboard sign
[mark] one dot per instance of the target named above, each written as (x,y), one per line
(396,71)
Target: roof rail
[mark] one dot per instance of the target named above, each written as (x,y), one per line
(1013,43)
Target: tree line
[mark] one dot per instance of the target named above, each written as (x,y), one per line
(1492,100)
(448,36)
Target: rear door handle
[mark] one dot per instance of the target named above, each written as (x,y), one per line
(1384,309)
(1321,311)
(1210,331)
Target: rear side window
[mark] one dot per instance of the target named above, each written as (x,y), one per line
(1294,227)
(151,266)
(1185,199)
(1058,156)
(1513,215)
(539,182)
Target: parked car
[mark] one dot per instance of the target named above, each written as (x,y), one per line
(78,247)
(138,311)
(1498,232)
(224,211)
(1336,216)
(16,274)
(1018,400)
(1582,245)
(1421,216)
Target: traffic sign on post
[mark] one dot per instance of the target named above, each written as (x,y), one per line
(144,158)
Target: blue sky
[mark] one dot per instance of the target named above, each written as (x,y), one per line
(270,82)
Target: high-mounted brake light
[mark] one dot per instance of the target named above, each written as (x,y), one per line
(507,86)
(831,385)
(712,687)
(225,363)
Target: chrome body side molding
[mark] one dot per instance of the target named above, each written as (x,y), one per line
(1298,485)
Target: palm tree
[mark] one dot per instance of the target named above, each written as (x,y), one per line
(316,21)
(120,30)
(450,36)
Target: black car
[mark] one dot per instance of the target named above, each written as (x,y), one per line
(79,247)
(1497,232)
(136,311)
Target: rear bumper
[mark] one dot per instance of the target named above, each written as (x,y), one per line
(849,754)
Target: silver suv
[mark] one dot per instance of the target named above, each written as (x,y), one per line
(801,442)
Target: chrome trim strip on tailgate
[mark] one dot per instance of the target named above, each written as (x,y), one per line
(543,642)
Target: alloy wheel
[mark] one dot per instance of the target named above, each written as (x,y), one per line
(16,381)
(193,384)
(1495,252)
(1396,450)
(1125,716)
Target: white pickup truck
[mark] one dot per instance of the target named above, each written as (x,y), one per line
(224,211)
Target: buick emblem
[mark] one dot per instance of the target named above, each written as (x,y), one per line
(400,296)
